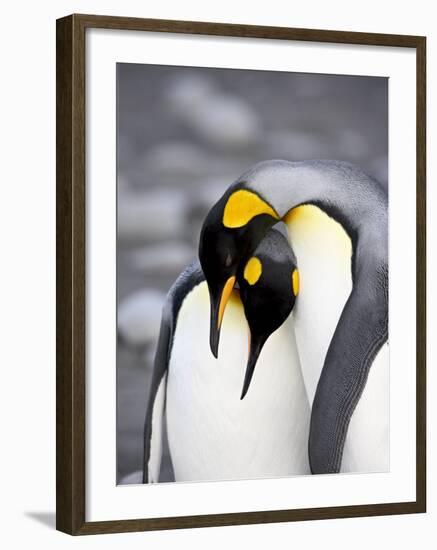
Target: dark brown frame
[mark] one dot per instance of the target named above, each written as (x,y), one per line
(70,275)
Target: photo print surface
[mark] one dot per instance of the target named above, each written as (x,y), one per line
(252,274)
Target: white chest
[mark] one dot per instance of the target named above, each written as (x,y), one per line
(212,434)
(323,250)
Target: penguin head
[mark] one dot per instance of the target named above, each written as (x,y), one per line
(269,284)
(230,234)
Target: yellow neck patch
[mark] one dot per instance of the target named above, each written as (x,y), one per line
(295,282)
(244,205)
(310,224)
(253,270)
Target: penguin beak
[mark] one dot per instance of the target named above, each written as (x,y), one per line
(218,306)
(255,346)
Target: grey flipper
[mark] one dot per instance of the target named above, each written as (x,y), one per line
(159,372)
(187,280)
(361,332)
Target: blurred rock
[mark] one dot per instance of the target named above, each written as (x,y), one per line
(139,317)
(352,145)
(296,145)
(163,259)
(186,91)
(176,158)
(310,86)
(153,215)
(182,164)
(225,121)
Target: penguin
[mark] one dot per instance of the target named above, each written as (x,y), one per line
(217,428)
(336,217)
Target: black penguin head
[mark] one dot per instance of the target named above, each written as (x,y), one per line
(269,284)
(230,233)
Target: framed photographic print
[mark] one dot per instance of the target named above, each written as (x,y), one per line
(240,274)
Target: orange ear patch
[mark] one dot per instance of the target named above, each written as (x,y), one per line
(242,206)
(295,282)
(253,270)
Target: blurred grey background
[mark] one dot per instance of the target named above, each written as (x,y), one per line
(183,136)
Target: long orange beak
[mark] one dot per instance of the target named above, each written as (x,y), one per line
(227,290)
(217,312)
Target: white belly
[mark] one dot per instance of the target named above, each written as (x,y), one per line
(367,442)
(213,435)
(323,251)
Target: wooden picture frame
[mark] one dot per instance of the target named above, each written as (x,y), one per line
(71,254)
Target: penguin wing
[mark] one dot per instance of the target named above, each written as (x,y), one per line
(361,332)
(154,423)
(153,427)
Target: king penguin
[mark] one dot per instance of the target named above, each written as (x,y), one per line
(337,219)
(216,428)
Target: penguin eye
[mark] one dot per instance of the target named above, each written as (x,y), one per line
(228,260)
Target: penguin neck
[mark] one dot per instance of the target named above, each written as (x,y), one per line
(324,252)
(340,189)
